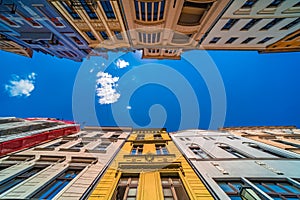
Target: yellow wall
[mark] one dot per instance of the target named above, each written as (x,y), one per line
(149,186)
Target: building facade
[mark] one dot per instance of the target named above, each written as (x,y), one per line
(13,47)
(100,23)
(17,134)
(35,25)
(253,25)
(63,168)
(231,164)
(163,28)
(284,137)
(149,166)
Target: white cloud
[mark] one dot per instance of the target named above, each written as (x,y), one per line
(21,87)
(128,107)
(122,63)
(106,88)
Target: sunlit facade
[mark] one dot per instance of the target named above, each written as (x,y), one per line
(284,137)
(100,23)
(149,166)
(234,166)
(253,25)
(64,168)
(163,29)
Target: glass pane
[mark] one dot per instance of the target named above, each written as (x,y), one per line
(132,192)
(164,182)
(290,188)
(276,188)
(130,198)
(262,187)
(226,187)
(167,192)
(134,181)
(235,198)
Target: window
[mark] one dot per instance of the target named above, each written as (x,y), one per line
(78,146)
(249,39)
(127,188)
(233,137)
(31,21)
(157,137)
(6,20)
(102,146)
(137,150)
(140,137)
(192,13)
(104,35)
(250,24)
(290,25)
(173,188)
(214,40)
(279,189)
(4,166)
(161,149)
(260,148)
(20,178)
(233,151)
(115,136)
(231,40)
(70,10)
(57,144)
(231,188)
(148,11)
(90,35)
(199,152)
(55,186)
(88,9)
(118,35)
(275,3)
(249,3)
(229,24)
(287,143)
(265,40)
(149,37)
(108,10)
(271,24)
(76,40)
(188,139)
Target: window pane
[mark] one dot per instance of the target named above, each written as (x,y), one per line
(132,192)
(276,188)
(226,187)
(290,188)
(262,187)
(167,192)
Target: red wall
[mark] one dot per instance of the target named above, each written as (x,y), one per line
(32,140)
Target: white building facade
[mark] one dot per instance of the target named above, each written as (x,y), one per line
(65,168)
(253,24)
(228,163)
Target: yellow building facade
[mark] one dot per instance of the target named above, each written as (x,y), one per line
(150,166)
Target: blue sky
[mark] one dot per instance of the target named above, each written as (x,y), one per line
(245,87)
